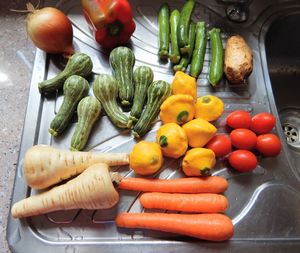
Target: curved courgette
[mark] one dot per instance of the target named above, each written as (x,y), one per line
(75,88)
(142,77)
(79,64)
(105,89)
(88,112)
(122,61)
(157,92)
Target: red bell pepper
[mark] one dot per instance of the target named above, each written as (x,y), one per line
(111,21)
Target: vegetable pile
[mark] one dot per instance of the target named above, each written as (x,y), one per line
(93,189)
(248,136)
(136,89)
(187,123)
(188,42)
(198,198)
(75,179)
(183,42)
(251,135)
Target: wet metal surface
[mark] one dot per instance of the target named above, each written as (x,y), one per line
(264,204)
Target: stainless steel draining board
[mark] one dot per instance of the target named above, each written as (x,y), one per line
(264,204)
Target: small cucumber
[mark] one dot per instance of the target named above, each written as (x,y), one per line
(183,26)
(199,50)
(185,59)
(164,31)
(174,21)
(217,57)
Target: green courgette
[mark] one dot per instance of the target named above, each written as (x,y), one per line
(75,88)
(217,57)
(88,112)
(142,77)
(174,21)
(185,59)
(122,61)
(105,89)
(183,26)
(164,31)
(79,64)
(199,50)
(157,92)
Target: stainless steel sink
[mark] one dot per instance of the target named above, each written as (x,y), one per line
(283,57)
(264,204)
(283,60)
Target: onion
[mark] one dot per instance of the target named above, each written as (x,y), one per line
(50,30)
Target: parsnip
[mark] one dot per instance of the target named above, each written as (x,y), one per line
(93,189)
(45,166)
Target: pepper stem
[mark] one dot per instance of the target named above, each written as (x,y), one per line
(163,141)
(206,100)
(205,171)
(114,28)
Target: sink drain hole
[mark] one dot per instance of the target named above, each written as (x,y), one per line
(291,133)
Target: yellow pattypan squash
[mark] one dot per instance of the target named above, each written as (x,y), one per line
(209,108)
(184,84)
(146,158)
(177,109)
(199,132)
(198,162)
(172,140)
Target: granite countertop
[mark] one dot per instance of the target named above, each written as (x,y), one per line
(17,58)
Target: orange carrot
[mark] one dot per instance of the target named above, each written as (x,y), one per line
(195,203)
(212,184)
(212,227)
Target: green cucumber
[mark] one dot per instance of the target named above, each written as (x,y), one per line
(217,57)
(199,50)
(164,31)
(75,88)
(174,21)
(185,59)
(183,26)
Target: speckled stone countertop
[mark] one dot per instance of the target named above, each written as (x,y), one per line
(16,57)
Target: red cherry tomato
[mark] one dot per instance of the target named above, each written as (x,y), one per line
(243,138)
(262,123)
(220,144)
(239,119)
(242,160)
(268,145)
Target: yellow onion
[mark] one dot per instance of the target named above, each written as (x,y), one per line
(50,30)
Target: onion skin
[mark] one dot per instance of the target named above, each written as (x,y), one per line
(50,30)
